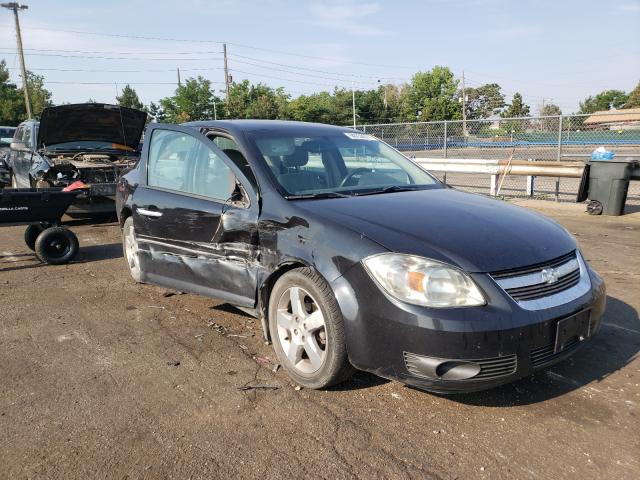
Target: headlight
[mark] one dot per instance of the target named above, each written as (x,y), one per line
(421,281)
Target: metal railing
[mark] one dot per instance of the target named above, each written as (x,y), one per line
(549,138)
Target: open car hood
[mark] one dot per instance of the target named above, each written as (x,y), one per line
(93,122)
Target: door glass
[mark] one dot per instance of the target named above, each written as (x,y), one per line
(27,137)
(180,162)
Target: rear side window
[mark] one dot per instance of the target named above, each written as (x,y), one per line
(182,163)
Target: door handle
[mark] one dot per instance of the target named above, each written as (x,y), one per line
(149,213)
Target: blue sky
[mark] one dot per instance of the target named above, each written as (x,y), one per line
(560,51)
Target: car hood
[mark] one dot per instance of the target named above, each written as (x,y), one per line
(470,231)
(91,122)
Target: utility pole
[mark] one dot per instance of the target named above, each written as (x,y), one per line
(226,70)
(464,108)
(353,105)
(15,7)
(179,82)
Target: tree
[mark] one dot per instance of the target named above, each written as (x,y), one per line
(484,101)
(12,109)
(432,96)
(155,112)
(129,98)
(40,97)
(605,100)
(550,109)
(517,108)
(633,100)
(193,100)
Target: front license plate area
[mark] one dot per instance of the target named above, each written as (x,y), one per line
(576,326)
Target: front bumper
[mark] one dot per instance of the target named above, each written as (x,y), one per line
(389,338)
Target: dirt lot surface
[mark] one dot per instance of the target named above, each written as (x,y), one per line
(103,378)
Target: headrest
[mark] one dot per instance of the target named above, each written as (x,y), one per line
(299,158)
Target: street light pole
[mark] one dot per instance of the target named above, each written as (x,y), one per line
(15,7)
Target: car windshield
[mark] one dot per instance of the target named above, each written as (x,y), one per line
(338,164)
(6,135)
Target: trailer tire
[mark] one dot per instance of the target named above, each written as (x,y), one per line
(31,235)
(56,245)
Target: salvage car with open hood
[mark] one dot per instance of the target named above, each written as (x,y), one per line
(91,142)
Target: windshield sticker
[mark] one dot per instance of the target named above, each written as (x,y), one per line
(359,136)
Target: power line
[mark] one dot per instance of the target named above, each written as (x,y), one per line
(240,45)
(82,70)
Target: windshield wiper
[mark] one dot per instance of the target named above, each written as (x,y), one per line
(390,189)
(317,195)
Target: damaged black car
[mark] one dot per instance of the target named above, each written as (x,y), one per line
(91,143)
(354,256)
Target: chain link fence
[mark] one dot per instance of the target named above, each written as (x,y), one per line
(550,138)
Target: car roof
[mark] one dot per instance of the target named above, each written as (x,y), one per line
(271,126)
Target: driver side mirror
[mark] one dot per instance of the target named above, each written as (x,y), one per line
(17,146)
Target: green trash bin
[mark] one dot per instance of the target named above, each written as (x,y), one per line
(608,185)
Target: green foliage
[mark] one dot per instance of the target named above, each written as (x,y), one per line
(484,101)
(550,109)
(12,108)
(432,96)
(192,101)
(256,101)
(633,101)
(129,98)
(605,100)
(517,108)
(40,97)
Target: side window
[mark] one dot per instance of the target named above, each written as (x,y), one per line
(168,164)
(213,177)
(182,163)
(17,137)
(27,136)
(231,149)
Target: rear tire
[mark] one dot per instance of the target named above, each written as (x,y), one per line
(130,249)
(307,330)
(56,246)
(31,235)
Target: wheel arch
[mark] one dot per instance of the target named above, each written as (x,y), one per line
(125,212)
(265,288)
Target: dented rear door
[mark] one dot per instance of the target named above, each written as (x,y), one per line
(193,236)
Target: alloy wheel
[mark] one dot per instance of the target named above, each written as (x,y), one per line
(301,330)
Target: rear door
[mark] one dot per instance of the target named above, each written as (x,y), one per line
(195,215)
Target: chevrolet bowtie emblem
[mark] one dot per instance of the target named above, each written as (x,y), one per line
(549,275)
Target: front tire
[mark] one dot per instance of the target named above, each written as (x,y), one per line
(130,248)
(307,330)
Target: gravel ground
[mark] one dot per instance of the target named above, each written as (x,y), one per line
(103,378)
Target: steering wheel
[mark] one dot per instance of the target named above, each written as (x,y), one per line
(353,174)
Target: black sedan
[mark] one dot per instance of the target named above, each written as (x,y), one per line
(353,256)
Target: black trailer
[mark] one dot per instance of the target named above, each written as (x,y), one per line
(42,210)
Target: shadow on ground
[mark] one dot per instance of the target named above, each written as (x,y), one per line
(614,346)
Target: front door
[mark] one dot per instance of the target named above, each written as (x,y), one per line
(195,216)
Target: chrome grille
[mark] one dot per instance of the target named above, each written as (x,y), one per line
(543,289)
(532,285)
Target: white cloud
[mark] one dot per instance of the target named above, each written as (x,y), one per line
(349,17)
(630,7)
